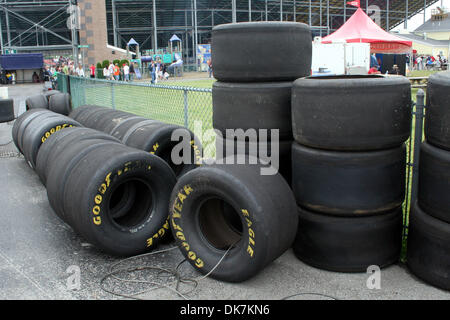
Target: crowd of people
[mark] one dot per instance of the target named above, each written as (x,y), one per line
(424,62)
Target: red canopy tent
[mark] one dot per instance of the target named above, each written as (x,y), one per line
(361,28)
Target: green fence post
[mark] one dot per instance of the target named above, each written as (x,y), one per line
(420,105)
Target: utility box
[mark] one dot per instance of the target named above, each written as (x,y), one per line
(340,58)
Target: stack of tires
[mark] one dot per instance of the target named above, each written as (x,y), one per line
(348,169)
(153,136)
(34,127)
(254,87)
(52,100)
(428,254)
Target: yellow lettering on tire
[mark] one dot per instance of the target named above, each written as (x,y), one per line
(96,210)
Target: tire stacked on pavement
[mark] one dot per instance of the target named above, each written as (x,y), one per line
(254,86)
(138,132)
(34,127)
(428,254)
(348,169)
(6,110)
(229,221)
(53,100)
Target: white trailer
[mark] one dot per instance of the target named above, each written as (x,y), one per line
(340,58)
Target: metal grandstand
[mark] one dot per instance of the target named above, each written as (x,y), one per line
(29,25)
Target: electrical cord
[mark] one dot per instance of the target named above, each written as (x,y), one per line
(175,274)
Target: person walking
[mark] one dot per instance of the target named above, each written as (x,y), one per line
(152,70)
(126,72)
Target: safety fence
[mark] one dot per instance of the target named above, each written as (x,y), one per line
(186,105)
(171,104)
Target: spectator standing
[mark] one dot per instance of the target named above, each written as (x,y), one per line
(80,71)
(131,71)
(92,71)
(116,72)
(152,70)
(111,71)
(65,69)
(106,73)
(210,67)
(126,72)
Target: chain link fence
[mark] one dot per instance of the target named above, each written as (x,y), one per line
(184,106)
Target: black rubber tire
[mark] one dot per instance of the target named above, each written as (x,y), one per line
(285,157)
(20,120)
(253,106)
(23,121)
(50,93)
(105,121)
(60,103)
(214,208)
(349,244)
(428,248)
(38,131)
(36,102)
(100,172)
(81,112)
(123,126)
(62,166)
(89,117)
(7,110)
(117,120)
(434,181)
(156,138)
(348,183)
(437,120)
(239,55)
(57,144)
(352,113)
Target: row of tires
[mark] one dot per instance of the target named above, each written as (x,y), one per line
(152,136)
(52,100)
(114,196)
(429,227)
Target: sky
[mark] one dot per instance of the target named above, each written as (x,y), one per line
(417,20)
